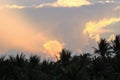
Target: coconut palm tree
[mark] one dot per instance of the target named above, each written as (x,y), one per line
(116,45)
(103,48)
(34,61)
(65,56)
(116,51)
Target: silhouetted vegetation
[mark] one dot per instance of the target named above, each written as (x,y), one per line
(104,66)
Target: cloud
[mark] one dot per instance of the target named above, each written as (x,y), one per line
(34,28)
(106,1)
(111,38)
(53,47)
(19,4)
(95,28)
(109,1)
(67,24)
(65,3)
(14,6)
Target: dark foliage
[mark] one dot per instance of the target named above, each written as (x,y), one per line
(78,67)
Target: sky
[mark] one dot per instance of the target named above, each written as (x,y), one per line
(44,27)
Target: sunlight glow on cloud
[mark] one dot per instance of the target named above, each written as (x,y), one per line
(95,28)
(45,30)
(65,3)
(53,47)
(14,6)
(111,38)
(104,1)
(107,1)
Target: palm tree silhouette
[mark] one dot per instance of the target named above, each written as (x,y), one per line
(68,67)
(116,45)
(34,61)
(103,48)
(65,56)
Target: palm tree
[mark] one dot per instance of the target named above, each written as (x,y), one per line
(34,61)
(19,60)
(116,45)
(103,48)
(18,66)
(2,59)
(116,50)
(65,56)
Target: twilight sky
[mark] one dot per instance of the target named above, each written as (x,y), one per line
(46,26)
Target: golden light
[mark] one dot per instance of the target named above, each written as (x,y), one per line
(72,3)
(16,32)
(111,38)
(53,47)
(14,6)
(95,28)
(65,3)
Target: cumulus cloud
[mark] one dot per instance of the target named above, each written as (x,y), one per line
(53,47)
(95,28)
(65,3)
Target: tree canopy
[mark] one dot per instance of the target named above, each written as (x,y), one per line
(67,67)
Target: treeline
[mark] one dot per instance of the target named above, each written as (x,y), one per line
(103,66)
